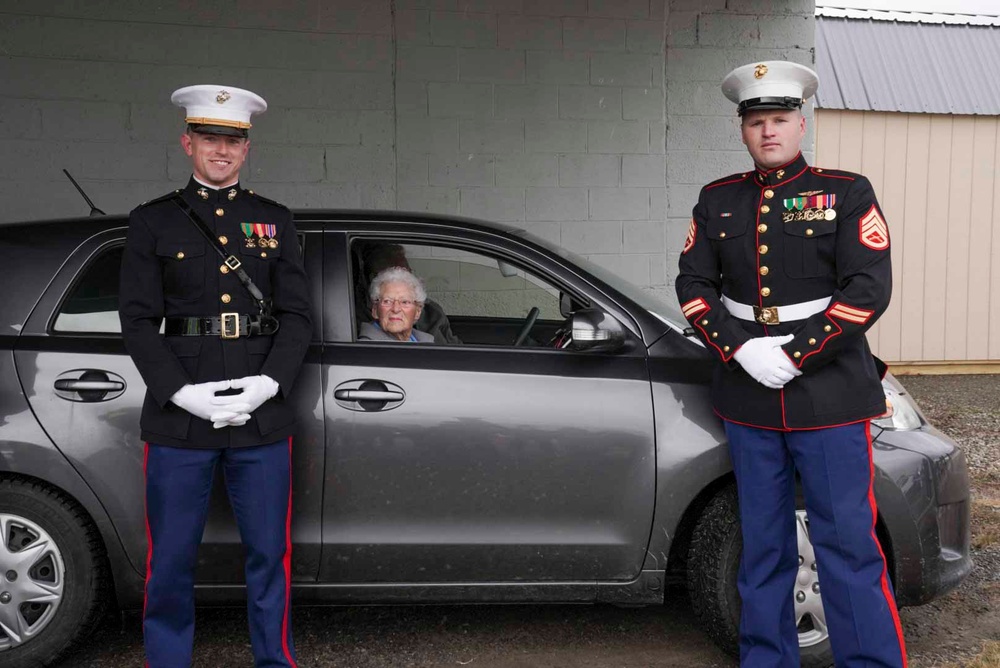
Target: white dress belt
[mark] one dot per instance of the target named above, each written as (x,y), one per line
(774,315)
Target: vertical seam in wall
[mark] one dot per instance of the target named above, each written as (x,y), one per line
(395,107)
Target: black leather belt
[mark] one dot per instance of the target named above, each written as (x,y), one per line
(226,326)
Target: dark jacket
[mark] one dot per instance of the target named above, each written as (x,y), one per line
(169,270)
(789,235)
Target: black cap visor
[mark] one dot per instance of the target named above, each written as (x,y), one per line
(769,103)
(218,130)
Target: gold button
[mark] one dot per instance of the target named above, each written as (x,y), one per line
(765,209)
(762,228)
(704,322)
(765,292)
(725,349)
(250,191)
(763,271)
(796,354)
(263,254)
(180,255)
(223,240)
(715,335)
(768,194)
(224,269)
(219,211)
(812,342)
(762,250)
(722,235)
(226,299)
(818,170)
(827,328)
(809,232)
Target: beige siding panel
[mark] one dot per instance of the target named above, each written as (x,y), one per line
(873,166)
(994,337)
(981,237)
(956,305)
(936,250)
(851,132)
(892,199)
(909,289)
(937,178)
(828,137)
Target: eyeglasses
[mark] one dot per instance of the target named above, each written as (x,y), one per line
(387,302)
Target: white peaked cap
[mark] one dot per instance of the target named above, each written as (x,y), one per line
(774,84)
(218,107)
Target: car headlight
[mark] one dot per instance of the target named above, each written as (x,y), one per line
(900,414)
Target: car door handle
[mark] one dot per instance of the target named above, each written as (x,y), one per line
(78,385)
(367,395)
(89,385)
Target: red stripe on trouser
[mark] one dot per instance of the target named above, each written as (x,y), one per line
(149,537)
(890,600)
(287,562)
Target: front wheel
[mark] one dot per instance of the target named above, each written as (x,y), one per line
(53,575)
(713,567)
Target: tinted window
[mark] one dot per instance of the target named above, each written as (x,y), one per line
(92,305)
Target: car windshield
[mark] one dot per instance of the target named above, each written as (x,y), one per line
(666,310)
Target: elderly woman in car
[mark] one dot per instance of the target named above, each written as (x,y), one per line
(397,299)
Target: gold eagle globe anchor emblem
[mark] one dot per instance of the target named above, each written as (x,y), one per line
(760,71)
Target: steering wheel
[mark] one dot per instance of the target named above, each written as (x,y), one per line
(529,322)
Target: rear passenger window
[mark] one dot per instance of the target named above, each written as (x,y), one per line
(92,304)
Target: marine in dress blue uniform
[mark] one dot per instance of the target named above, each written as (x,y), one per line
(217,377)
(784,269)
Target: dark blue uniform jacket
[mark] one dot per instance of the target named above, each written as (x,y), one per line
(169,269)
(785,236)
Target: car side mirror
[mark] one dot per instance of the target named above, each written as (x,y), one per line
(507,270)
(593,329)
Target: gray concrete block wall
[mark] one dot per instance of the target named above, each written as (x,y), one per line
(591,122)
(87,87)
(558,110)
(705,40)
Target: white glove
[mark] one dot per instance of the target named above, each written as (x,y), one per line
(256,390)
(197,399)
(766,363)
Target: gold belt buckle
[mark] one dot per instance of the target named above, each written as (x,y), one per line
(230,325)
(233,263)
(766,315)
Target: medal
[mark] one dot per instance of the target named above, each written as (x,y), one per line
(830,214)
(273,243)
(248,233)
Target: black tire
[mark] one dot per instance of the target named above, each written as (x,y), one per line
(713,567)
(86,575)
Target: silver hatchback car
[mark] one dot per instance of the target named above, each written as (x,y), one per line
(564,451)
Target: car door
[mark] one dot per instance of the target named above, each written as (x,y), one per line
(87,395)
(481,463)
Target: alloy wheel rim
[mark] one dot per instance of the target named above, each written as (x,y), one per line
(810,617)
(32,579)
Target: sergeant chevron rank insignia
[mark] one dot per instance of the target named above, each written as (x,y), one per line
(873,231)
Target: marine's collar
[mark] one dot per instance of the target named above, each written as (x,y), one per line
(200,191)
(775,176)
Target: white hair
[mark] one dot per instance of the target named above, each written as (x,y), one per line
(397,275)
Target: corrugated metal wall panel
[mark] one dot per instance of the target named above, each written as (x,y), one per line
(869,65)
(938,181)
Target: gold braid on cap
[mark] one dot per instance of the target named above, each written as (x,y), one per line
(200,120)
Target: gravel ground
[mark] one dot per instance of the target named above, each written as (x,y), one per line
(948,631)
(954,628)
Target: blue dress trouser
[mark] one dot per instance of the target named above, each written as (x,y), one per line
(836,470)
(178,487)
